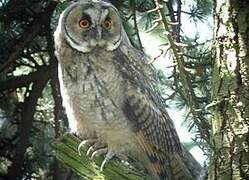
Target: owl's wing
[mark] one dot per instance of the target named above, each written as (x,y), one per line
(154,132)
(155,125)
(145,103)
(152,126)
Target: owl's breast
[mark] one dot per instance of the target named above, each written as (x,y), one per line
(100,95)
(95,92)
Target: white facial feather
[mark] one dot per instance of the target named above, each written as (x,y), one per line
(96,36)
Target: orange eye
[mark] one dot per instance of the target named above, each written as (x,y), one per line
(84,23)
(107,24)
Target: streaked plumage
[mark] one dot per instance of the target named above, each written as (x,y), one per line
(110,93)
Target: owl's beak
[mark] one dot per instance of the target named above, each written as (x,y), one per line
(99,33)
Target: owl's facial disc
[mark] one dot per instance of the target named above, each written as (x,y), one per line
(92,26)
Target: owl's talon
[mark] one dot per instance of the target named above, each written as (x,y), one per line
(99,152)
(108,156)
(96,148)
(80,145)
(86,142)
(90,149)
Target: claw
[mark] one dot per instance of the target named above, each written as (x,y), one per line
(80,145)
(85,142)
(108,156)
(89,150)
(99,152)
(96,148)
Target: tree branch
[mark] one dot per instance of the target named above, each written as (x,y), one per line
(188,89)
(66,152)
(133,7)
(55,86)
(25,128)
(23,80)
(32,32)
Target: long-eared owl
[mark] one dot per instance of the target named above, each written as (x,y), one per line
(110,93)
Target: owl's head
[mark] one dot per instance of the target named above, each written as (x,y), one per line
(88,25)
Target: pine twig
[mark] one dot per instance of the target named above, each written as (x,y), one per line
(189,93)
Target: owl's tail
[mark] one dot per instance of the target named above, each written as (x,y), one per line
(184,166)
(168,166)
(173,166)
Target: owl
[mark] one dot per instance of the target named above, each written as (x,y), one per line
(110,94)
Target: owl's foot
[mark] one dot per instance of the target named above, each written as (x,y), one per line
(88,142)
(98,152)
(96,149)
(100,149)
(108,157)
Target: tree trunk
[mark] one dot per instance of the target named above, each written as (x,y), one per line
(15,169)
(230,93)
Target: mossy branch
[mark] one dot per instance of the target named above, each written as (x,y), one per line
(66,152)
